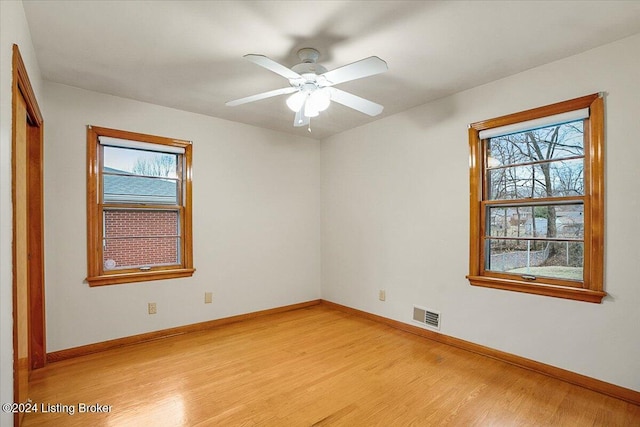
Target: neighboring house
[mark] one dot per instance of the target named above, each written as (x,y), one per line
(134,238)
(570,222)
(540,226)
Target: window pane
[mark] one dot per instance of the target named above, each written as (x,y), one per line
(140,162)
(136,238)
(552,142)
(560,178)
(561,260)
(546,221)
(119,186)
(135,189)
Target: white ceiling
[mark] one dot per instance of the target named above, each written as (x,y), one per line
(188,54)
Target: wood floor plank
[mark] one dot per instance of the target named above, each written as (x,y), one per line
(315,366)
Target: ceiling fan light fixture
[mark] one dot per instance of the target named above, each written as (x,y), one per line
(310,111)
(319,100)
(296,101)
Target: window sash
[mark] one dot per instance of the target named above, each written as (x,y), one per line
(139,244)
(486,253)
(179,180)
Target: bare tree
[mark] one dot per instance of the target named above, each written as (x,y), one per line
(160,165)
(532,165)
(534,146)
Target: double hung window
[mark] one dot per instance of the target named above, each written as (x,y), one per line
(139,207)
(537,201)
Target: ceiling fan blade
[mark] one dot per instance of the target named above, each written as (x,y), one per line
(272,65)
(260,96)
(356,70)
(300,119)
(352,101)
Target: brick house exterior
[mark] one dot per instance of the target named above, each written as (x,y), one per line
(132,237)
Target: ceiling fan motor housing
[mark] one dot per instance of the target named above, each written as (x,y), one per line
(308,54)
(308,68)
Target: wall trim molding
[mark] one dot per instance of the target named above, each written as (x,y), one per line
(590,383)
(70,353)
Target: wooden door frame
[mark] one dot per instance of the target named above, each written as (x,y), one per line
(21,87)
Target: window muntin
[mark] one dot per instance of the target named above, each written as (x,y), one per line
(139,207)
(537,201)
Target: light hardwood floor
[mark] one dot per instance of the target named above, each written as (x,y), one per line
(311,367)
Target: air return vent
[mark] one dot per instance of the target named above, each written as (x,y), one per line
(426,317)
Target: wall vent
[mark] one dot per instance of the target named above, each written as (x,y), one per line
(426,317)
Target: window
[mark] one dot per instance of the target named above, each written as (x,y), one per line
(537,201)
(138,207)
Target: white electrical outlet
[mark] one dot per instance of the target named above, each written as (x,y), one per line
(152,308)
(382,295)
(208,297)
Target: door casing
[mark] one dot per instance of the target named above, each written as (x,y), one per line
(29,339)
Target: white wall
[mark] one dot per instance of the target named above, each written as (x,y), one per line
(395,216)
(13,29)
(256,218)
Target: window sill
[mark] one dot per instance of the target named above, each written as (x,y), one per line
(121,278)
(577,294)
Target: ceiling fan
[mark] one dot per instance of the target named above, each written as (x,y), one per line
(311,85)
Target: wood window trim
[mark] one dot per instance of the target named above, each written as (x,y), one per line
(593,269)
(96,274)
